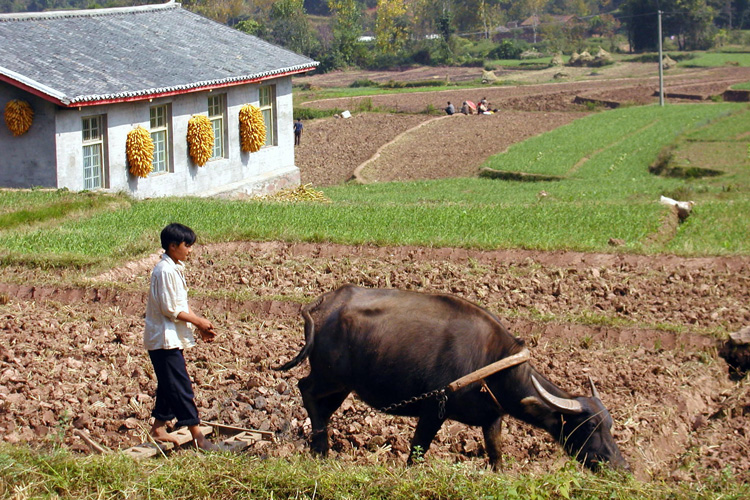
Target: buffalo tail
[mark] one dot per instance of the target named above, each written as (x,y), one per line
(309,337)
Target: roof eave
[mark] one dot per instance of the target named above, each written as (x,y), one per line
(33,87)
(60,99)
(140,95)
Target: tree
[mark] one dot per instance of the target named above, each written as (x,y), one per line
(604,25)
(534,9)
(252,27)
(640,17)
(347,27)
(691,22)
(445,26)
(221,11)
(391,26)
(290,27)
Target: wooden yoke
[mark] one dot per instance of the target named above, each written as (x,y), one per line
(488,370)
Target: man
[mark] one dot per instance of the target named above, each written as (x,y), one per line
(297,131)
(450,109)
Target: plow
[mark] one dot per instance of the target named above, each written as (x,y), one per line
(228,437)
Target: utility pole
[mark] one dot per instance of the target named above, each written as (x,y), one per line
(661,66)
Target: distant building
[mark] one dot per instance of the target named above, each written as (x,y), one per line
(92,76)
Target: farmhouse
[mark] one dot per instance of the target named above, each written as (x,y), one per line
(91,77)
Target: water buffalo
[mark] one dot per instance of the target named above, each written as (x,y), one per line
(389,346)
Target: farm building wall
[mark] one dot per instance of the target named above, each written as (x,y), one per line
(50,154)
(28,160)
(269,169)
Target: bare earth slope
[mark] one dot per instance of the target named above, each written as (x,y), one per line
(457,145)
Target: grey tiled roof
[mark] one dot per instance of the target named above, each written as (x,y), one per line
(86,56)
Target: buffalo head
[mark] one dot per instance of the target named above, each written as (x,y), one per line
(584,428)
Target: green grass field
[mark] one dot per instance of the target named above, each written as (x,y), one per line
(713,59)
(58,474)
(606,192)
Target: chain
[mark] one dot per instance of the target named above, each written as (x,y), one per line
(439,393)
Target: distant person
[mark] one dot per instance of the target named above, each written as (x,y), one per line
(450,109)
(465,109)
(169,330)
(483,107)
(297,131)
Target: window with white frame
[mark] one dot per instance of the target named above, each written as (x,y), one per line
(216,113)
(267,101)
(160,135)
(92,128)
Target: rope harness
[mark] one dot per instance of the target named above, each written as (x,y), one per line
(478,375)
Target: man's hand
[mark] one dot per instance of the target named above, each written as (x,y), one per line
(208,335)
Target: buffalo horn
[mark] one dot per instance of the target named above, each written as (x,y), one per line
(560,404)
(594,392)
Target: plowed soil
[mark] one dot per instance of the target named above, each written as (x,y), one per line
(72,357)
(645,328)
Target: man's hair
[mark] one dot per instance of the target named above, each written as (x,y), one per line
(177,233)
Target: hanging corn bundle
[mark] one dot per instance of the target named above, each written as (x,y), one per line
(140,152)
(252,128)
(200,139)
(18,116)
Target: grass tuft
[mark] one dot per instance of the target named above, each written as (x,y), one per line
(26,473)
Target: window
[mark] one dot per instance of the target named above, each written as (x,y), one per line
(216,113)
(267,99)
(93,152)
(160,136)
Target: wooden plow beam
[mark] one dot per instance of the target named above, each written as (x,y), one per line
(229,438)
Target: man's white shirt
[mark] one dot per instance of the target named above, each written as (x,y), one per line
(167,298)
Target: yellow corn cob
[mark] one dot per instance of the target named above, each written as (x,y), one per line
(140,151)
(252,128)
(200,139)
(18,116)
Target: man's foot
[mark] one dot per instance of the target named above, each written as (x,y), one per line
(160,434)
(207,445)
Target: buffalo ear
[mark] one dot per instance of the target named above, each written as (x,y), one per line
(594,392)
(534,406)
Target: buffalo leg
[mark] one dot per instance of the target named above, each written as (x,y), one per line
(319,409)
(493,442)
(427,427)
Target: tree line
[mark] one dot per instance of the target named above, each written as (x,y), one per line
(436,32)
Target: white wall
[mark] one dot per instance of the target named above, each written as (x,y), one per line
(266,170)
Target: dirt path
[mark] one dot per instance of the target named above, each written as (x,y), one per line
(458,145)
(332,148)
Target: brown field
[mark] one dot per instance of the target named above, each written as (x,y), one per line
(70,344)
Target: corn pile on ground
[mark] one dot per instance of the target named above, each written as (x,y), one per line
(18,116)
(200,139)
(252,128)
(139,148)
(300,193)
